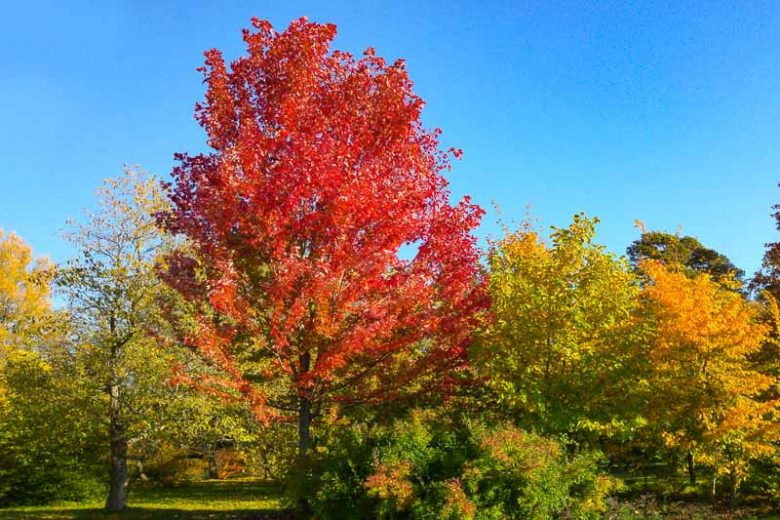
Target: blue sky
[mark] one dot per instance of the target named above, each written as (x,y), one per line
(668,112)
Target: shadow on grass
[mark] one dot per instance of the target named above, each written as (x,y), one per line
(240,499)
(139,513)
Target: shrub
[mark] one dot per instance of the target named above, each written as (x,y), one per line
(169,466)
(764,478)
(429,466)
(47,437)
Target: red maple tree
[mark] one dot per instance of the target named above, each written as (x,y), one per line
(320,173)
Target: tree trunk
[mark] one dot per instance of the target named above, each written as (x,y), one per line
(266,463)
(120,477)
(304,444)
(212,456)
(141,474)
(304,437)
(304,430)
(691,469)
(714,494)
(733,489)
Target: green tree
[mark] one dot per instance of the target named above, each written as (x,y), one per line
(113,296)
(128,329)
(686,251)
(555,353)
(45,434)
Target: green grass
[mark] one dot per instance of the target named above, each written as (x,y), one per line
(210,499)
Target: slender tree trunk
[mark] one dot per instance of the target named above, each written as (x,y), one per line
(304,445)
(266,463)
(141,474)
(304,430)
(691,469)
(714,494)
(304,437)
(120,477)
(733,489)
(212,456)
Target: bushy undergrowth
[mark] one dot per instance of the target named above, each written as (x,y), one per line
(171,466)
(44,454)
(429,466)
(764,479)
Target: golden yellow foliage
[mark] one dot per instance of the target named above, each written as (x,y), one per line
(561,309)
(25,295)
(706,395)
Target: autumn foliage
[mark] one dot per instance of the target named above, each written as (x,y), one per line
(707,395)
(305,303)
(25,295)
(320,175)
(562,318)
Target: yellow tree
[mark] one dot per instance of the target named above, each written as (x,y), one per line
(25,295)
(113,293)
(555,353)
(706,392)
(44,432)
(25,300)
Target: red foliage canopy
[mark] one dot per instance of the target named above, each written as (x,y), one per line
(321,172)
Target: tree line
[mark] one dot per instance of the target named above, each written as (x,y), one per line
(306,298)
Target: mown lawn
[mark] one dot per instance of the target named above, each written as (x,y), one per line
(245,499)
(211,499)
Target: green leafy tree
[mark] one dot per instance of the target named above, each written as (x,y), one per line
(127,334)
(45,432)
(555,353)
(686,251)
(113,296)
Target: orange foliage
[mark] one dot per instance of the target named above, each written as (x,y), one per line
(706,396)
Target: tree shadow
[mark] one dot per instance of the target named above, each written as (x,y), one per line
(140,513)
(235,499)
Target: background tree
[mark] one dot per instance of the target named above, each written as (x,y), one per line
(320,173)
(192,425)
(26,315)
(556,351)
(683,250)
(45,433)
(767,278)
(113,297)
(765,288)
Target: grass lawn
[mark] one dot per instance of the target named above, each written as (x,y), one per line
(211,499)
(244,499)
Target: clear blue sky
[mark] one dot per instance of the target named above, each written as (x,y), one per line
(667,112)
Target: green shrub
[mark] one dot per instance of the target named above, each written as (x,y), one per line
(47,439)
(341,463)
(764,478)
(428,466)
(169,466)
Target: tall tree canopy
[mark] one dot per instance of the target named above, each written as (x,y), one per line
(25,295)
(561,316)
(706,394)
(113,295)
(320,174)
